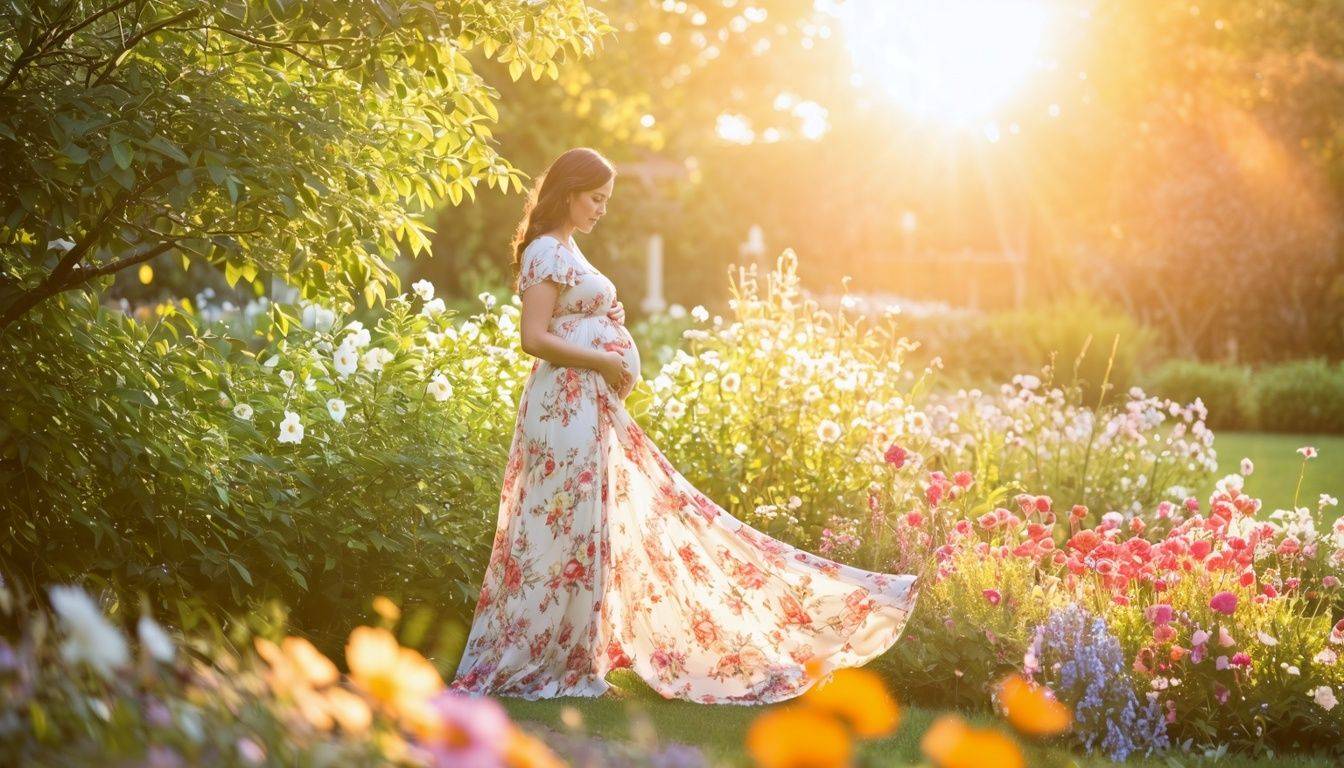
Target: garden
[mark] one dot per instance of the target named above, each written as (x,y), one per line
(260,375)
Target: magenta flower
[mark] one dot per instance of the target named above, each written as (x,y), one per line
(1224,603)
(1160,614)
(896,456)
(1241,659)
(993,596)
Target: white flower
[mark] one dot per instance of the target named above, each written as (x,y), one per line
(309,383)
(1327,656)
(291,429)
(1247,467)
(488,299)
(1325,697)
(1327,500)
(1266,639)
(318,317)
(155,640)
(675,409)
(273,361)
(374,359)
(700,313)
(828,431)
(90,637)
(740,449)
(346,359)
(676,311)
(243,411)
(1230,483)
(432,308)
(812,394)
(287,376)
(424,289)
(440,388)
(731,382)
(61,244)
(1307,451)
(359,335)
(336,407)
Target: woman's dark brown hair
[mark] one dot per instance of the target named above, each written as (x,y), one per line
(577,170)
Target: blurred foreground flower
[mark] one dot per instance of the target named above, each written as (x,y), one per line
(798,737)
(1031,710)
(951,743)
(859,698)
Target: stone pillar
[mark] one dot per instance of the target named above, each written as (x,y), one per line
(653,300)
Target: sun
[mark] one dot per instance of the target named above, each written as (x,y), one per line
(953,60)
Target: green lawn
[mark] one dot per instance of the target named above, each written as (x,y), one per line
(720,730)
(1277,465)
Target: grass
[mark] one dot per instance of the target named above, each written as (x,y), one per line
(720,730)
(1277,465)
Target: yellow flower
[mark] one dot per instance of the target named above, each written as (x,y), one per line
(386,608)
(1030,710)
(798,737)
(523,750)
(858,697)
(398,678)
(313,667)
(349,710)
(950,743)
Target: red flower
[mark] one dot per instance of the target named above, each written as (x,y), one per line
(993,596)
(896,456)
(963,479)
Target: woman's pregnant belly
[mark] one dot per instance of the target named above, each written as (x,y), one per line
(601,332)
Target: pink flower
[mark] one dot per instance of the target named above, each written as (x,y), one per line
(1225,638)
(1160,614)
(1224,603)
(963,479)
(1164,633)
(1221,692)
(479,724)
(895,456)
(1330,582)
(993,596)
(1241,659)
(1220,663)
(914,519)
(1307,451)
(1200,637)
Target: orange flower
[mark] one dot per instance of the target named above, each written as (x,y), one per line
(1031,710)
(858,697)
(798,737)
(398,678)
(523,750)
(950,743)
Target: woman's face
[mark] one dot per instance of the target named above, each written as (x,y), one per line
(586,207)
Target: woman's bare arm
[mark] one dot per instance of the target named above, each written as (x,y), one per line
(538,341)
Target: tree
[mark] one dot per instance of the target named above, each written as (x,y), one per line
(300,139)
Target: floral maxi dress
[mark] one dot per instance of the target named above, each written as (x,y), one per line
(604,556)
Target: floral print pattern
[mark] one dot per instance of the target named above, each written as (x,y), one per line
(604,556)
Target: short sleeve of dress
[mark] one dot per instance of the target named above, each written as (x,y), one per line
(546,259)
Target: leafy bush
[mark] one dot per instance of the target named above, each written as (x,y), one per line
(1074,335)
(163,457)
(1224,389)
(1301,396)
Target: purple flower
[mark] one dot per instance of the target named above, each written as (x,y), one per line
(478,728)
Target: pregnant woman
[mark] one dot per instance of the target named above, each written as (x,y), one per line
(604,556)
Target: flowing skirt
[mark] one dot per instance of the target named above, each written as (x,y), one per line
(604,556)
